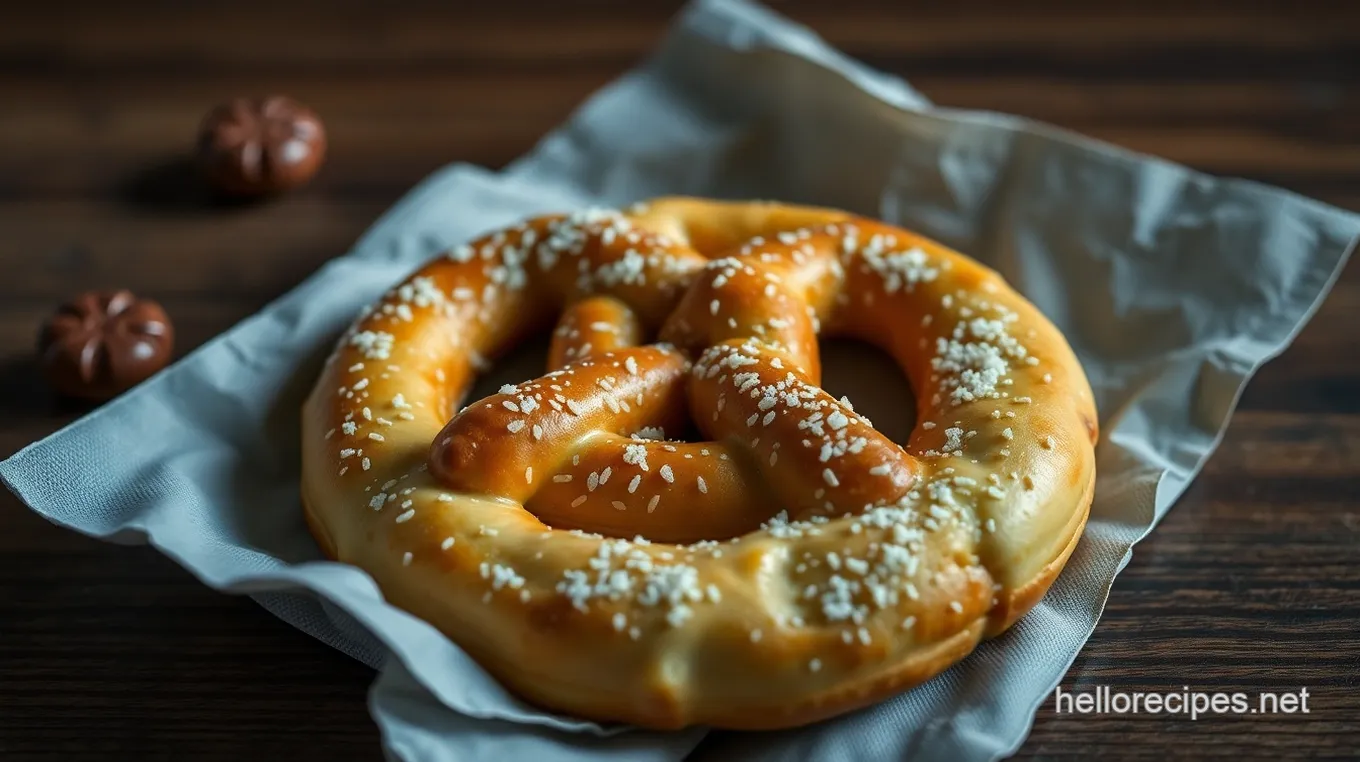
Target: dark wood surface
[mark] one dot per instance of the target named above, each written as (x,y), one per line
(1251,584)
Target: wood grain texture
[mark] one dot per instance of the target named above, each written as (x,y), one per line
(1252,583)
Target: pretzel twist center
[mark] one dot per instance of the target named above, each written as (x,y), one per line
(583,447)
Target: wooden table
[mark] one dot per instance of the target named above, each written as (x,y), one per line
(1252,583)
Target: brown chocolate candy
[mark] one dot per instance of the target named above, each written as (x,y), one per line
(256,146)
(104,342)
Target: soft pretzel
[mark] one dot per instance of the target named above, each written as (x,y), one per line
(691,531)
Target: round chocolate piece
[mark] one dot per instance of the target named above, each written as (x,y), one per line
(256,146)
(104,342)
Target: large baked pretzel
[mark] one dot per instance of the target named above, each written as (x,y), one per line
(570,534)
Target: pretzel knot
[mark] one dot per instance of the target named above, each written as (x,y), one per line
(584,446)
(676,524)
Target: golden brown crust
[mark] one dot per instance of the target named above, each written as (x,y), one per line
(1019,601)
(877,564)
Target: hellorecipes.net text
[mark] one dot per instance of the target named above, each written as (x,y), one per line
(1102,699)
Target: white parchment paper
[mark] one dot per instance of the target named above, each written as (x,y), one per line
(1172,287)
